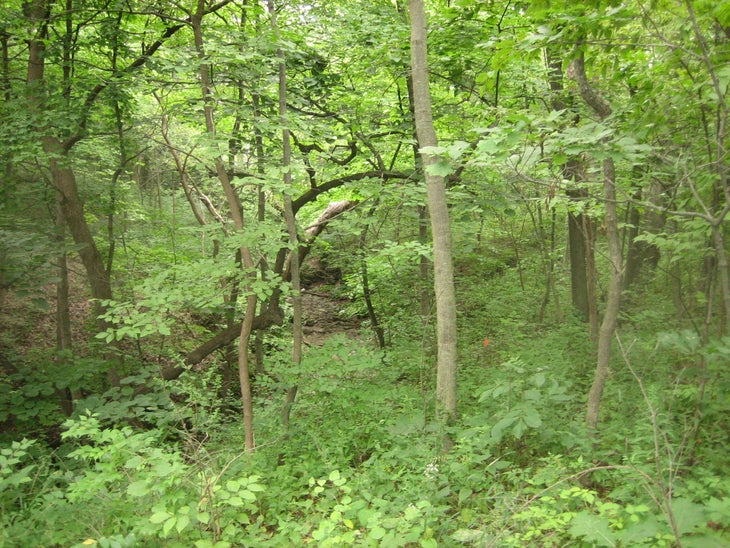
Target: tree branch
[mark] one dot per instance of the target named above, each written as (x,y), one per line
(140,61)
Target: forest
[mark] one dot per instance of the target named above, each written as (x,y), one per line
(379,273)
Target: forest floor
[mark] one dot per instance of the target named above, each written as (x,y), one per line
(324,314)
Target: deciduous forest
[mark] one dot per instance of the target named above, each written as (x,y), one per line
(364,273)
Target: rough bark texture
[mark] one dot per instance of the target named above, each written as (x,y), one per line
(440,225)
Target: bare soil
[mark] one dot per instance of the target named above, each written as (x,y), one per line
(324,315)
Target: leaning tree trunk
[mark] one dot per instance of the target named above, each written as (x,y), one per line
(613,299)
(439,214)
(62,175)
(234,205)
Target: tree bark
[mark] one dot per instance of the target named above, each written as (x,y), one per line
(291,223)
(237,214)
(573,170)
(440,224)
(64,340)
(424,268)
(63,177)
(613,299)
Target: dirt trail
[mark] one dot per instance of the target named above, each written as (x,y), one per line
(323,316)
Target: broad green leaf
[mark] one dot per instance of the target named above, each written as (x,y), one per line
(159,517)
(377,532)
(442,168)
(182,523)
(592,529)
(247,495)
(169,524)
(532,418)
(235,501)
(138,488)
(690,516)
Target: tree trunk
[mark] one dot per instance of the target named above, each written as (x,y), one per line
(63,177)
(591,282)
(440,225)
(64,340)
(424,268)
(237,214)
(613,299)
(64,180)
(573,170)
(366,291)
(291,223)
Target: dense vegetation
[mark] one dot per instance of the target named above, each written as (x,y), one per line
(217,315)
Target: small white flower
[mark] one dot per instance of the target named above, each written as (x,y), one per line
(431,470)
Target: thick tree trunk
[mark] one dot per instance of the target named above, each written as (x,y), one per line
(73,210)
(63,177)
(440,224)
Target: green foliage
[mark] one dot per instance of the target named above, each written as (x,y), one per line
(143,462)
(14,473)
(521,399)
(26,263)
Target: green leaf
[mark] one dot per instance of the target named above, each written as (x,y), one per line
(159,517)
(592,529)
(247,495)
(467,536)
(532,418)
(464,494)
(138,488)
(377,532)
(690,515)
(638,533)
(235,501)
(169,524)
(501,425)
(182,523)
(442,168)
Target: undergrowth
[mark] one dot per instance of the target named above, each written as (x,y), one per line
(362,463)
